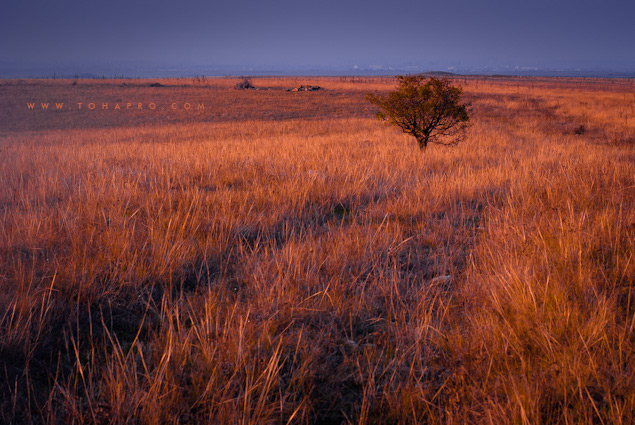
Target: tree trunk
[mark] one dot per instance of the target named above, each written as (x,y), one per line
(423,143)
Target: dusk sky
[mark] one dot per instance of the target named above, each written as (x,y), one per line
(279,34)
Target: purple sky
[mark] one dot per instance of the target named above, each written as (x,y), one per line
(283,33)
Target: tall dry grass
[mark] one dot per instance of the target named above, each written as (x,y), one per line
(285,258)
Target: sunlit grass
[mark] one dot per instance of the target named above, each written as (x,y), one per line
(286,258)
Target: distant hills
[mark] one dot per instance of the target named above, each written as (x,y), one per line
(140,70)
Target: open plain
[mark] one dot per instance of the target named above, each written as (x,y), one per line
(280,257)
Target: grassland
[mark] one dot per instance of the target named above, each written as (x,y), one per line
(284,257)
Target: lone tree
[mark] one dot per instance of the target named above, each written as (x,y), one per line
(431,110)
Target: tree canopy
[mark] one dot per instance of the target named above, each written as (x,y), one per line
(428,109)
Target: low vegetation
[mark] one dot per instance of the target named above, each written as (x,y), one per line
(284,258)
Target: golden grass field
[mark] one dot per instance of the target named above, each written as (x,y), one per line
(285,258)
